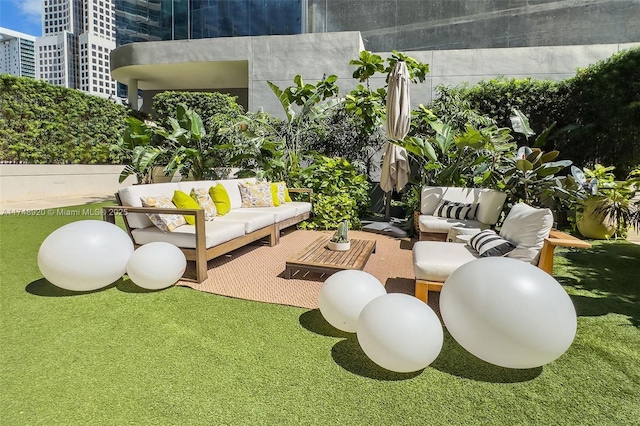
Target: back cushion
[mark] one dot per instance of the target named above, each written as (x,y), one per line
(130,196)
(432,195)
(527,227)
(490,205)
(234,190)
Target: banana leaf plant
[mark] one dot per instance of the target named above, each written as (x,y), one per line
(135,147)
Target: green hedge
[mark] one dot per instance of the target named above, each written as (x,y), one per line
(597,112)
(205,104)
(45,124)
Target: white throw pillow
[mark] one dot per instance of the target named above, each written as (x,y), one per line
(527,227)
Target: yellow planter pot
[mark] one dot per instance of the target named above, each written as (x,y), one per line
(592,225)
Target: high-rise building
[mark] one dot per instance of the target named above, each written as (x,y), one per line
(155,20)
(78,36)
(17,53)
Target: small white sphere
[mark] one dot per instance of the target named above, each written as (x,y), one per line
(508,312)
(85,255)
(344,294)
(400,333)
(156,265)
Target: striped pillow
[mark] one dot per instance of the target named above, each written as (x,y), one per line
(452,210)
(488,243)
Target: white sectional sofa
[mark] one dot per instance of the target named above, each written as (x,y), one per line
(206,240)
(434,225)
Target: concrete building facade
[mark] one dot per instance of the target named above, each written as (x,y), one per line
(17,53)
(78,36)
(484,39)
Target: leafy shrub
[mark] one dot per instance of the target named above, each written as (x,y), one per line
(206,105)
(339,192)
(605,104)
(45,124)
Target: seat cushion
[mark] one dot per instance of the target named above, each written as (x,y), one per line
(527,227)
(442,225)
(282,212)
(301,206)
(251,219)
(217,232)
(435,260)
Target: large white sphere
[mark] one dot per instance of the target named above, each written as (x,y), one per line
(344,294)
(508,312)
(156,265)
(400,333)
(85,255)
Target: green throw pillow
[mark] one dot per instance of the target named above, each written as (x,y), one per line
(221,199)
(274,194)
(287,197)
(183,200)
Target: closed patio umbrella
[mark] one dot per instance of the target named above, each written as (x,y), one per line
(395,167)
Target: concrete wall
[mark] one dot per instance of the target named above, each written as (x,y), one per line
(475,24)
(455,67)
(24,182)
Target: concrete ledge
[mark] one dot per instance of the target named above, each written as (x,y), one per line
(27,182)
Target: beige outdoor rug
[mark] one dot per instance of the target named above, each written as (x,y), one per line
(256,272)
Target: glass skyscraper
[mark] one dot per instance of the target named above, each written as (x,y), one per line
(154,20)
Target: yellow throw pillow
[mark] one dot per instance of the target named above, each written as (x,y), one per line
(279,193)
(166,222)
(287,197)
(221,199)
(183,201)
(256,194)
(202,197)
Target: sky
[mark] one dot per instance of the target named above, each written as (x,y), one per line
(24,16)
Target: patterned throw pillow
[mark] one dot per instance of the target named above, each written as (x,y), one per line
(279,193)
(183,201)
(488,243)
(453,210)
(256,194)
(166,222)
(220,198)
(202,197)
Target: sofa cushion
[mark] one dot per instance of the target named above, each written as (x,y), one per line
(233,190)
(280,213)
(488,243)
(185,236)
(442,225)
(131,196)
(184,201)
(453,210)
(252,220)
(202,197)
(527,227)
(256,194)
(165,222)
(435,261)
(220,198)
(490,202)
(279,193)
(301,206)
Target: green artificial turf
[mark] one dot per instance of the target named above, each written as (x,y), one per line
(123,355)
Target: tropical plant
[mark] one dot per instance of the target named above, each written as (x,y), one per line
(340,193)
(612,205)
(190,154)
(448,156)
(135,147)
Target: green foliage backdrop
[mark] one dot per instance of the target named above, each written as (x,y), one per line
(45,124)
(597,112)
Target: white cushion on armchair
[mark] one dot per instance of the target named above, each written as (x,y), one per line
(527,227)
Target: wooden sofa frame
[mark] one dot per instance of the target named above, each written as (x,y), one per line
(201,254)
(545,262)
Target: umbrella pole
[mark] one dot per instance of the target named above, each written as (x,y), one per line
(387,206)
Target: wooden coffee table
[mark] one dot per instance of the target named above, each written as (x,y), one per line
(318,258)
